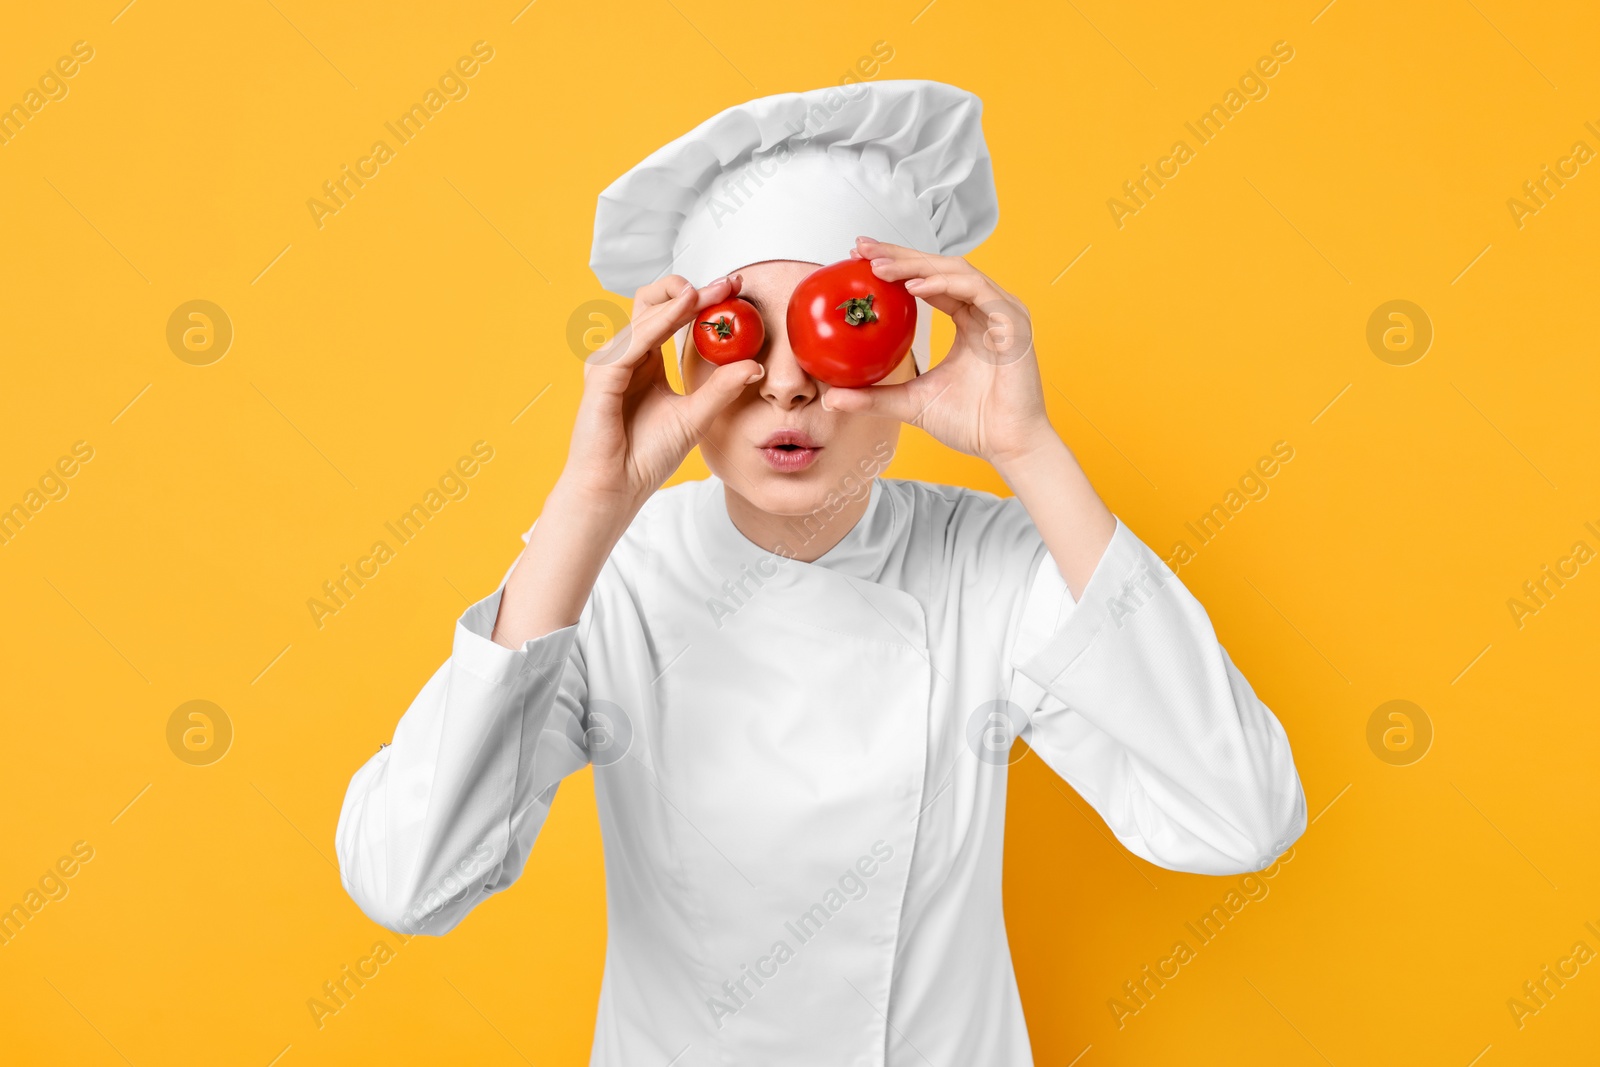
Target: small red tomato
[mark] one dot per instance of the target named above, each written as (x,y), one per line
(847,326)
(730,331)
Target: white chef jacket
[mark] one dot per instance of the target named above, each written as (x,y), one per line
(800,770)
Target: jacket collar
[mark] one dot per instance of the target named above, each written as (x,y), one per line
(861,553)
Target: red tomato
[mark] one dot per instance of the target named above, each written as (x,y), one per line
(730,331)
(847,326)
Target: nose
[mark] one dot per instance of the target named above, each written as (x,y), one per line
(786,385)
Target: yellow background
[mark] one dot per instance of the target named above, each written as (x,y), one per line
(426,315)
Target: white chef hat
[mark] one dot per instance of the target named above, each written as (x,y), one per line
(798,176)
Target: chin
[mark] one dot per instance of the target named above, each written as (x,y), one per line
(797,493)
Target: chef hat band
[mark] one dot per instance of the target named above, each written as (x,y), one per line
(798,176)
(794,204)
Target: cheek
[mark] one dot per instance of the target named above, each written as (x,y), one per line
(724,428)
(859,442)
(725,447)
(728,435)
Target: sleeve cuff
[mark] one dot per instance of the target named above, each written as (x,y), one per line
(1127,576)
(477,653)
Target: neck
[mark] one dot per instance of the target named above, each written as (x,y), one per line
(805,536)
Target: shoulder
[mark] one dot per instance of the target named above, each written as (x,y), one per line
(985,546)
(961,514)
(666,518)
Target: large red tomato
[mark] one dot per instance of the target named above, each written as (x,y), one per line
(847,326)
(730,331)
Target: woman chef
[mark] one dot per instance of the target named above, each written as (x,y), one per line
(798,684)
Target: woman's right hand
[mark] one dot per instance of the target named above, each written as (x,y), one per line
(633,429)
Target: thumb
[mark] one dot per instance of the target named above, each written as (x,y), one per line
(896,401)
(718,391)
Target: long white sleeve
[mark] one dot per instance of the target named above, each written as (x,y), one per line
(446,814)
(1133,701)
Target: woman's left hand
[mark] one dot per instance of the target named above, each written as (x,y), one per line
(986,397)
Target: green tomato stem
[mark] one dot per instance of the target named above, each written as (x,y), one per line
(858,310)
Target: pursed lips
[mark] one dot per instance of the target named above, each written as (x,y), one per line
(789,450)
(789,440)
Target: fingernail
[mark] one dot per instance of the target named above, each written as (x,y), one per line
(865,241)
(736,277)
(882,261)
(755,377)
(916,284)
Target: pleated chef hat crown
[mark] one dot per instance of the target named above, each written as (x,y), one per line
(798,176)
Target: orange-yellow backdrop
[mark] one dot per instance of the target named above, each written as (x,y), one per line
(374,345)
